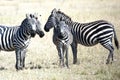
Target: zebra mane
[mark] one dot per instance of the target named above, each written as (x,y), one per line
(23,22)
(64,15)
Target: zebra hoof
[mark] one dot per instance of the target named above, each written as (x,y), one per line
(61,65)
(68,67)
(75,62)
(19,68)
(107,62)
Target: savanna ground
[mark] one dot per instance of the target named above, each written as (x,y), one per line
(42,59)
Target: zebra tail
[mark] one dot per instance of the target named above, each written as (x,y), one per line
(116,40)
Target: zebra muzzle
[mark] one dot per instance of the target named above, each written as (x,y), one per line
(41,34)
(33,33)
(60,36)
(47,30)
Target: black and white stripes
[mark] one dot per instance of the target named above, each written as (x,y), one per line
(62,38)
(6,35)
(18,38)
(87,34)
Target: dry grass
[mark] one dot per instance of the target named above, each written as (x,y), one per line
(42,58)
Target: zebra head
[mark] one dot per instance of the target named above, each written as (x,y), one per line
(30,24)
(38,25)
(61,29)
(56,16)
(51,22)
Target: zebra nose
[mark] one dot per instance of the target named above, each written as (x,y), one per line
(41,34)
(47,30)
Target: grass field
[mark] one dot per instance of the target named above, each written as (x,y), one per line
(42,59)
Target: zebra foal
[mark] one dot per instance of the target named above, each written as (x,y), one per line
(18,38)
(62,38)
(87,34)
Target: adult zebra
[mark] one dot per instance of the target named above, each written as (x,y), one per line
(62,38)
(18,38)
(87,34)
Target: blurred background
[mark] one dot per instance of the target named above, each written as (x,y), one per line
(42,52)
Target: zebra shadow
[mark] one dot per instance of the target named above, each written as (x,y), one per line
(32,66)
(2,68)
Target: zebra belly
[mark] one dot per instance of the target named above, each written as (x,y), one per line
(86,41)
(5,48)
(10,49)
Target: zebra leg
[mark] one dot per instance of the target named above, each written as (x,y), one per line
(23,52)
(110,47)
(110,55)
(24,57)
(66,56)
(61,55)
(18,62)
(74,50)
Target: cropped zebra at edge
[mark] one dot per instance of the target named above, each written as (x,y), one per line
(87,34)
(18,38)
(62,38)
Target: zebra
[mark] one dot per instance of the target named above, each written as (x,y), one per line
(62,38)
(18,38)
(87,34)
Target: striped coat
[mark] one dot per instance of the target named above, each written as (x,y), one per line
(87,34)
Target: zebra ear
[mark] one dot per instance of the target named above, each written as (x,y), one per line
(31,16)
(35,15)
(28,16)
(54,11)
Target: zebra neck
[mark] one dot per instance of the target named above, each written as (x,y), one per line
(65,35)
(73,24)
(69,23)
(24,32)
